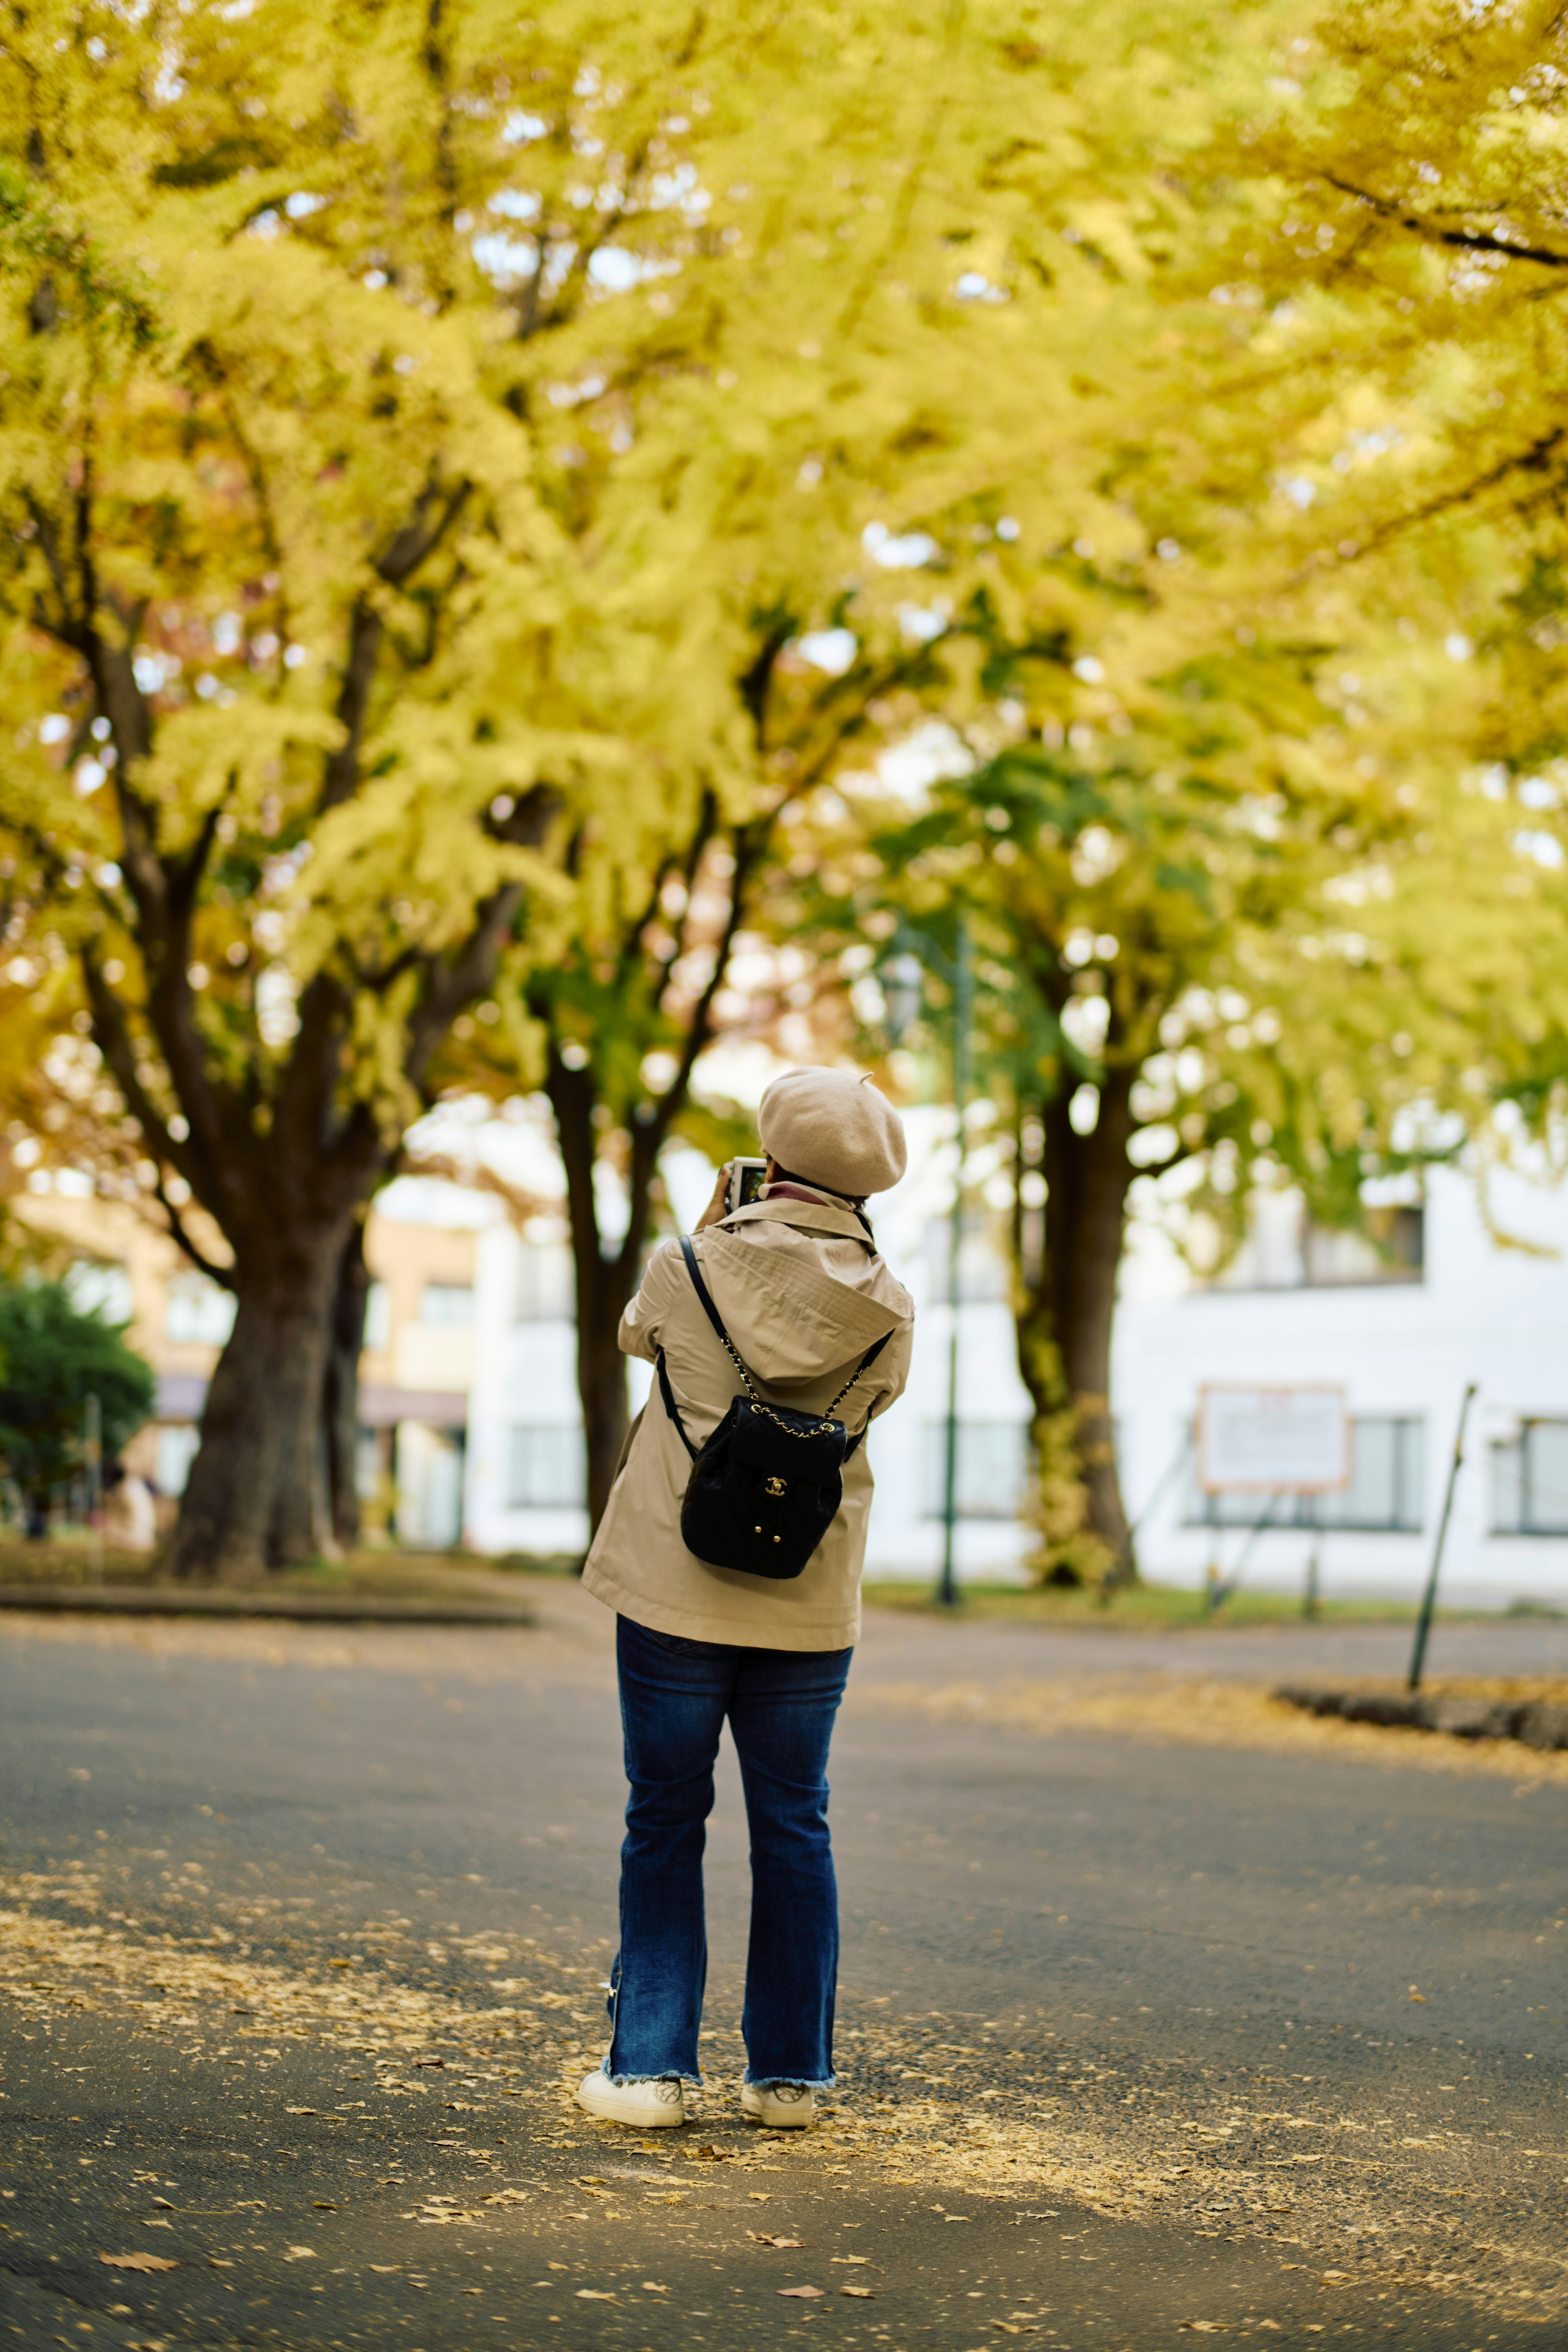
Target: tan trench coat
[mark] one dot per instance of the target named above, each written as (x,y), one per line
(803,1298)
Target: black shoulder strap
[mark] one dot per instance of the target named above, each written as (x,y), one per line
(668,1393)
(694,1270)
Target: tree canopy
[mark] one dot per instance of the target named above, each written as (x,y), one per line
(489,504)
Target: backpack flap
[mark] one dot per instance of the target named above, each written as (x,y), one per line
(795,1446)
(760,1498)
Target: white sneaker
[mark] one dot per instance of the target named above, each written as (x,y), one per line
(650,2107)
(785,2106)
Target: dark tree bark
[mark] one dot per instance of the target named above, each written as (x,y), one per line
(1068,1305)
(281,1155)
(251,1500)
(340,1399)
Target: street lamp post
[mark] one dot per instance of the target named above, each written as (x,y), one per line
(903,988)
(947,1590)
(93,1451)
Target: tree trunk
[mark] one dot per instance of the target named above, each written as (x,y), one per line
(251,1501)
(604,1284)
(340,1403)
(602,1380)
(1063,1329)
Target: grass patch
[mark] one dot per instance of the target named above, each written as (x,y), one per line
(1137,1607)
(379,1571)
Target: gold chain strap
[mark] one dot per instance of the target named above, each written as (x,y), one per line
(756,1399)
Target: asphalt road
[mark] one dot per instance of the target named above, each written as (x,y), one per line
(1138,2040)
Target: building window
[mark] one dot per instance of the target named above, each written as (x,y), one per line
(993,1468)
(1384,1497)
(178,1442)
(546,1291)
(377,1317)
(547,1469)
(197,1311)
(101,1287)
(1285,1250)
(447,1306)
(1529,1481)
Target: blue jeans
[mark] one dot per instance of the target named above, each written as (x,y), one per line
(675,1696)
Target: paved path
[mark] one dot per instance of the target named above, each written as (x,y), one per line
(1128,2034)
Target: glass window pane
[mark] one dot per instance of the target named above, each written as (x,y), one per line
(447,1305)
(1508,1486)
(993,1468)
(197,1310)
(546,1287)
(1546,1477)
(547,1469)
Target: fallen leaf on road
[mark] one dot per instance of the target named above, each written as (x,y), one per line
(139,2261)
(428,2061)
(164,2204)
(860,2259)
(653,2286)
(1335,2278)
(1204,2327)
(385,2270)
(323,2204)
(300,2254)
(765,2238)
(301,2111)
(955,2217)
(867,2294)
(758,2196)
(216,2263)
(802,2291)
(593,2294)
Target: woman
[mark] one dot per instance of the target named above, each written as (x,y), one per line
(805,1298)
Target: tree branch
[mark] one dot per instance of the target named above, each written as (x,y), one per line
(1463,240)
(180,1231)
(433,517)
(1531,460)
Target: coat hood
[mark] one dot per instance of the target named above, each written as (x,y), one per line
(799,1288)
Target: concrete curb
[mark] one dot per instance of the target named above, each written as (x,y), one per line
(304,1608)
(1531,1721)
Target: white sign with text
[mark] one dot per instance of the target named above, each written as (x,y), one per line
(1262,1441)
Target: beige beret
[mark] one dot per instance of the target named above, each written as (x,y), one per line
(833,1130)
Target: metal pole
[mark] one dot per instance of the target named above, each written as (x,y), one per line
(947,1590)
(1429,1598)
(1222,1593)
(95,1484)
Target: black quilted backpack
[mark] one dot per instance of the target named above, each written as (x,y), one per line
(764,1488)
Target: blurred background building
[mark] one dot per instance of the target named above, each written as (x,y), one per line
(470,1431)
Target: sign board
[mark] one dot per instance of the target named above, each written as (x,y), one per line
(1273,1441)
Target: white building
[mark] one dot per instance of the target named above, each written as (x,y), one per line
(1403,1329)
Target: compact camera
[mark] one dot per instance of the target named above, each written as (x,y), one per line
(745,1182)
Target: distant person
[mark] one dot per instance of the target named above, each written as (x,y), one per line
(130,1510)
(812,1320)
